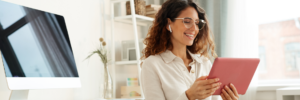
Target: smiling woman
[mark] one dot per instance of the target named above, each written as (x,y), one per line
(159,36)
(178,48)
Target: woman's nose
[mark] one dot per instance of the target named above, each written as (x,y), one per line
(194,27)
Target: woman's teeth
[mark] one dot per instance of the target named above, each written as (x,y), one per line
(188,35)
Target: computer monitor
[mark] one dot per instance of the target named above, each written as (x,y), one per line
(35,49)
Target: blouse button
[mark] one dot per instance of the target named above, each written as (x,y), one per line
(192,71)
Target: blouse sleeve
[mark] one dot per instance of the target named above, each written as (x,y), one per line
(151,83)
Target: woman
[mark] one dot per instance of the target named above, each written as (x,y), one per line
(178,49)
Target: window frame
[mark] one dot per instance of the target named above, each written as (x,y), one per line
(4,33)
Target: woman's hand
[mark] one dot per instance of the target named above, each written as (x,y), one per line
(229,93)
(203,88)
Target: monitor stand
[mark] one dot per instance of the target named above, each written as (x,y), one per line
(19,95)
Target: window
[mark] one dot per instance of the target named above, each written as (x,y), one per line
(281,42)
(278,33)
(292,56)
(25,36)
(7,18)
(262,55)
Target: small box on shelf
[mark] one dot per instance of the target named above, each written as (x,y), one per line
(132,82)
(131,92)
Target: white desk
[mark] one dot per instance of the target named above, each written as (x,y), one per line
(291,91)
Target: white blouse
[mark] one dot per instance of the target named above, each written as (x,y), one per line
(165,77)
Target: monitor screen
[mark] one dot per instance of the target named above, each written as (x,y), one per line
(34,43)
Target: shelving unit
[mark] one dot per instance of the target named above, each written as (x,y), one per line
(122,99)
(126,62)
(135,20)
(140,20)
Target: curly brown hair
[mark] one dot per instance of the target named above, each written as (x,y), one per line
(159,38)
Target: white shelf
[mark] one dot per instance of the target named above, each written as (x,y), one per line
(140,19)
(126,62)
(123,99)
(292,91)
(117,1)
(135,20)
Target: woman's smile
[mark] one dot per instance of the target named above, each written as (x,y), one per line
(190,36)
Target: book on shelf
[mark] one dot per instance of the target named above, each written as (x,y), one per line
(152,15)
(151,12)
(152,9)
(153,6)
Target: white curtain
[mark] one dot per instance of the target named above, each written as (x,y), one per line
(235,29)
(241,36)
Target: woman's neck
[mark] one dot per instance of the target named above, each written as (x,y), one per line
(180,51)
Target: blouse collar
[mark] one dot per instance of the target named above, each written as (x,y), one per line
(168,56)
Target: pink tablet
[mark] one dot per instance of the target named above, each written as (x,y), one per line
(238,71)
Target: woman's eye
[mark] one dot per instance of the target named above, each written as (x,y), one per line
(186,22)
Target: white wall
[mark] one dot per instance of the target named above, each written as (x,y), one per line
(85,24)
(266,95)
(83,20)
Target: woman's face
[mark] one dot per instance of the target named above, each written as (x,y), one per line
(181,35)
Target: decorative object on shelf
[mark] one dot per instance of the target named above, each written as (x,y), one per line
(151,10)
(132,82)
(139,6)
(131,92)
(108,83)
(128,52)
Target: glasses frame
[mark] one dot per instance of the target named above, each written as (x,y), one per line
(200,21)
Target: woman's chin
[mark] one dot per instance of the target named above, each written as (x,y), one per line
(189,44)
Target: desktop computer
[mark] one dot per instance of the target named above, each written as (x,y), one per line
(35,50)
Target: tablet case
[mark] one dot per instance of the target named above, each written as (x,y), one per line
(238,71)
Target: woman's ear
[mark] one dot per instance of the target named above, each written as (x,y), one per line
(169,25)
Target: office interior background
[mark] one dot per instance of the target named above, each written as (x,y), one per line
(268,29)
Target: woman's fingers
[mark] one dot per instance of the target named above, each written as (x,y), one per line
(208,93)
(229,91)
(204,94)
(208,81)
(211,86)
(226,95)
(234,90)
(211,90)
(223,97)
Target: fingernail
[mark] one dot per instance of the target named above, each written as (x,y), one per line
(217,79)
(226,86)
(220,83)
(231,84)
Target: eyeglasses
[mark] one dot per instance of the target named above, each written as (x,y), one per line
(188,22)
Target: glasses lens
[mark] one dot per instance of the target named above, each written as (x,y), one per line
(201,24)
(188,22)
